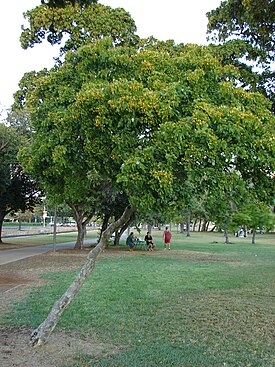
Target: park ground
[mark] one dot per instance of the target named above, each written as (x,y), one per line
(203,304)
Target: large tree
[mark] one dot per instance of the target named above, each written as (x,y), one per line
(144,121)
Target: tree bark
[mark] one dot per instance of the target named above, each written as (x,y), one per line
(120,232)
(1,226)
(40,335)
(188,222)
(81,225)
(2,216)
(253,236)
(199,229)
(104,226)
(81,229)
(226,234)
(213,228)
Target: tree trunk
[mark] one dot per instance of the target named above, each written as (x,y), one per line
(117,238)
(81,230)
(204,225)
(120,232)
(226,234)
(188,222)
(104,225)
(199,229)
(81,223)
(181,227)
(2,216)
(213,228)
(40,335)
(253,236)
(105,222)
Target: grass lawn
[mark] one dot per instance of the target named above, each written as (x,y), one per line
(203,304)
(45,239)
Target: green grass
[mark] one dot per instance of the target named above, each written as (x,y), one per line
(45,239)
(24,224)
(202,304)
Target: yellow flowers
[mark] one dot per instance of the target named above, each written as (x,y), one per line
(164,178)
(146,66)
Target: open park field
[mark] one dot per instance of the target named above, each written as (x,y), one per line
(202,304)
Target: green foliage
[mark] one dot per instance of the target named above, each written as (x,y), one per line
(81,25)
(249,20)
(160,127)
(254,216)
(246,30)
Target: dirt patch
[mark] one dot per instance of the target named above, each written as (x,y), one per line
(15,281)
(60,350)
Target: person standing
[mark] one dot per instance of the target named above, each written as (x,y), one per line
(167,238)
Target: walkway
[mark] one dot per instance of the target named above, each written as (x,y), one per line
(8,256)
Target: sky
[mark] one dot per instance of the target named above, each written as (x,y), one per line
(181,20)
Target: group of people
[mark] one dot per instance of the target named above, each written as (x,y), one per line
(131,240)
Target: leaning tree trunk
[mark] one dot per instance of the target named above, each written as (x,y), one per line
(213,228)
(40,335)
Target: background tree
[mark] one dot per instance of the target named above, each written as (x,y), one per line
(254,216)
(246,30)
(17,190)
(252,21)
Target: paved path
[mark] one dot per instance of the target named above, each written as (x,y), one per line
(8,256)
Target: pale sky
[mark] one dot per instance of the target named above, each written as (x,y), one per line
(181,20)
